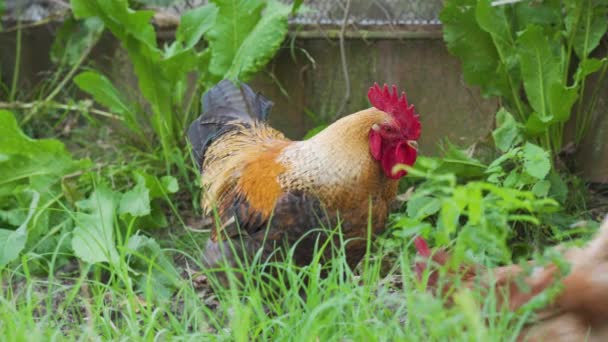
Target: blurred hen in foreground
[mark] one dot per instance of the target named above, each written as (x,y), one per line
(271,192)
(578,313)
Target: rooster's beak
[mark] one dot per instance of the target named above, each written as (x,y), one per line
(413,144)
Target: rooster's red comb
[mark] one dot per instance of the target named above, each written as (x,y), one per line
(390,102)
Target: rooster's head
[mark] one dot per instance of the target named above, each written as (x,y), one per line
(395,141)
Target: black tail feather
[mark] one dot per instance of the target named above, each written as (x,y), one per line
(225,103)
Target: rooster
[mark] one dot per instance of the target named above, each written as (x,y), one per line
(270,193)
(578,313)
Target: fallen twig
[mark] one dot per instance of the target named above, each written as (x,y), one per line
(84,106)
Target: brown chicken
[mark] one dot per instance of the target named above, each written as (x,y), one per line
(578,313)
(270,192)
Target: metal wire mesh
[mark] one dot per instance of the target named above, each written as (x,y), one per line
(363,13)
(371,13)
(32,10)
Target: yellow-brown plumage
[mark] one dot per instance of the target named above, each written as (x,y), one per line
(243,163)
(265,186)
(259,164)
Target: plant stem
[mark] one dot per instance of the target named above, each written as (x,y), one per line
(586,117)
(69,75)
(60,86)
(56,17)
(17,67)
(74,108)
(344,62)
(579,107)
(570,43)
(520,112)
(546,143)
(516,99)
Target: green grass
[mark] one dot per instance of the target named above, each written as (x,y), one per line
(296,304)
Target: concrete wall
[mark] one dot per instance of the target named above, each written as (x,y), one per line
(422,67)
(592,155)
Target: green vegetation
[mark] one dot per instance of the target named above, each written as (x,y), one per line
(241,37)
(534,55)
(99,212)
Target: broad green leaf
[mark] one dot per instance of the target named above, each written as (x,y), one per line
(36,165)
(39,163)
(512,180)
(408,227)
(559,188)
(156,219)
(586,22)
(203,60)
(122,21)
(588,67)
(169,184)
(162,74)
(74,38)
(136,201)
(176,66)
(448,219)
(93,238)
(153,83)
(493,20)
(135,31)
(537,162)
(235,21)
(475,204)
(534,126)
(13,216)
(458,162)
(420,207)
(508,155)
(155,273)
(474,47)
(561,100)
(14,142)
(143,200)
(296,6)
(548,15)
(158,187)
(261,43)
(82,8)
(12,242)
(541,70)
(194,23)
(427,164)
(102,91)
(507,133)
(541,188)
